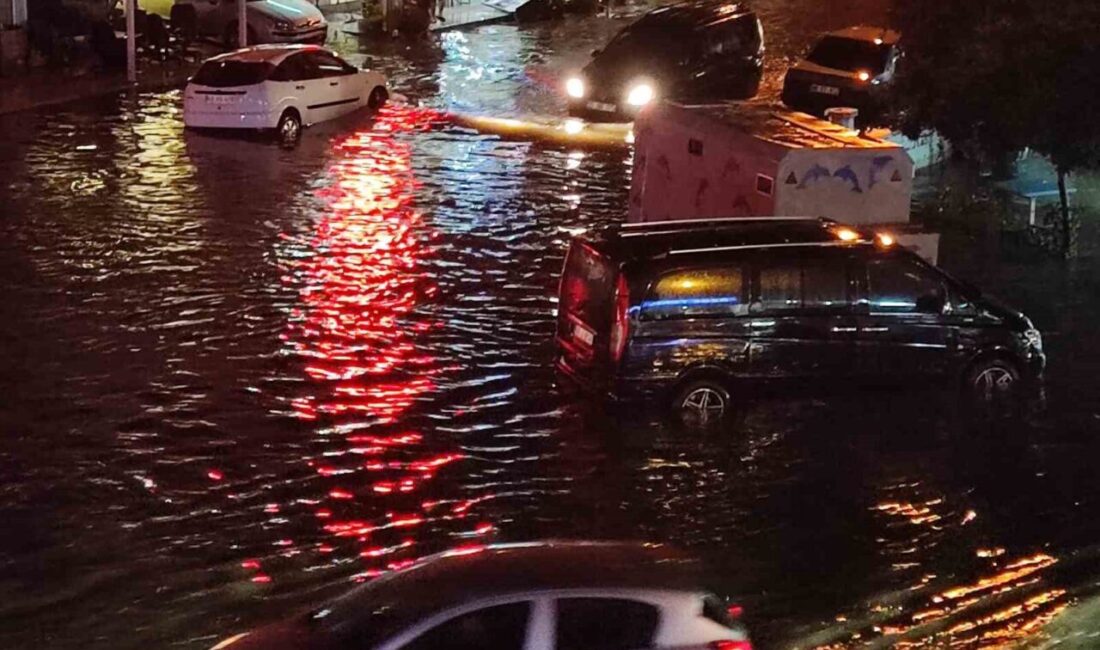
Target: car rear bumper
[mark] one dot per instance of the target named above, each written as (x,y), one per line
(227,118)
(799,97)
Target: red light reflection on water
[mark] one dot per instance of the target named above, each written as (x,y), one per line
(356,329)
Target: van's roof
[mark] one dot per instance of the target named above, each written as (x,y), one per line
(630,242)
(868,33)
(699,14)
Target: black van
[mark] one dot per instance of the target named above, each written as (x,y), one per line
(699,314)
(690,52)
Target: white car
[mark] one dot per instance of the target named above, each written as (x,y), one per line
(536,596)
(282,87)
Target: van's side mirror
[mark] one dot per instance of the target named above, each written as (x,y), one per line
(931,304)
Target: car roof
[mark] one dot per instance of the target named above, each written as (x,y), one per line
(867,33)
(479,572)
(272,53)
(561,564)
(699,13)
(632,242)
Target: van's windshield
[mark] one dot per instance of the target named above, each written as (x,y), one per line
(850,54)
(651,37)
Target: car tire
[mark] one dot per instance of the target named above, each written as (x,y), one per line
(378,98)
(289,129)
(702,404)
(991,389)
(229,38)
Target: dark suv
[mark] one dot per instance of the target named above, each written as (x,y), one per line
(689,52)
(698,314)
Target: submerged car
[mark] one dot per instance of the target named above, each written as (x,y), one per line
(533,596)
(689,52)
(700,315)
(281,87)
(845,68)
(269,21)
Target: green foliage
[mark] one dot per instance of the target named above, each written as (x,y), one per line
(996,76)
(999,75)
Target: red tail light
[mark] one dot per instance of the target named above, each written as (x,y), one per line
(730,645)
(620,328)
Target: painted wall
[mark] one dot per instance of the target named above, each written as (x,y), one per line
(687,166)
(684,168)
(857,186)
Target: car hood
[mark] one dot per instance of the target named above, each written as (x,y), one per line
(1013,317)
(296,12)
(808,69)
(288,635)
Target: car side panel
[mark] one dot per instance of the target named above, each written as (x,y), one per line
(669,350)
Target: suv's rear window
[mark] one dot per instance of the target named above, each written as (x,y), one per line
(226,74)
(587,285)
(713,291)
(850,54)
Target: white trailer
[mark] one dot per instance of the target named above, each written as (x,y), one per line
(730,160)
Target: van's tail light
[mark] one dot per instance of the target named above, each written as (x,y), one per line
(620,328)
(730,645)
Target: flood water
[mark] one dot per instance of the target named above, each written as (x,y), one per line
(239,378)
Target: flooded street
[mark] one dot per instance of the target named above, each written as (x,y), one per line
(239,378)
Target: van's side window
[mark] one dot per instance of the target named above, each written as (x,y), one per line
(809,286)
(710,291)
(900,286)
(780,288)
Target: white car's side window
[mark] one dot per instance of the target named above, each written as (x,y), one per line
(501,627)
(605,624)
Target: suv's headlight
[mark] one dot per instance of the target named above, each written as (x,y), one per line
(1034,338)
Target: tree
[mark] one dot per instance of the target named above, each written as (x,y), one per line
(997,76)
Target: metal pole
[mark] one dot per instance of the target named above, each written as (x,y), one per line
(131,40)
(242,24)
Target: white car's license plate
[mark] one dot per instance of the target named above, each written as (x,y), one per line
(221,99)
(583,334)
(824,90)
(602,106)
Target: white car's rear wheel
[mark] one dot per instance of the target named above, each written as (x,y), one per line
(289,129)
(378,98)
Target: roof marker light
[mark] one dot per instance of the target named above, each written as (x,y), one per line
(885,239)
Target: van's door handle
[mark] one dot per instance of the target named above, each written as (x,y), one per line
(299,87)
(876,330)
(334,83)
(844,330)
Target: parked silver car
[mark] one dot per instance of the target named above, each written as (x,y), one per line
(269,21)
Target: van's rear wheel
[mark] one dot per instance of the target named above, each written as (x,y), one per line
(702,404)
(991,388)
